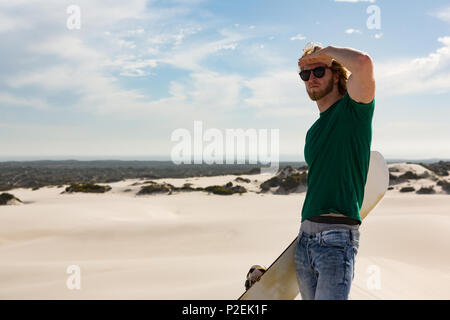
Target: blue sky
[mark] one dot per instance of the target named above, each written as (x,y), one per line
(137,70)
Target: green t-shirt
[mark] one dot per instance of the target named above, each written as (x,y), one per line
(337,151)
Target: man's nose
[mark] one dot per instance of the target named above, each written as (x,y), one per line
(311,76)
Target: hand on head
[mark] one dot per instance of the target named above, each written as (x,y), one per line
(317,57)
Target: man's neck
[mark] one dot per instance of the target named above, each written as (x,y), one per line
(327,101)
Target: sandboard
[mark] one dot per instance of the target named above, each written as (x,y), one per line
(279,282)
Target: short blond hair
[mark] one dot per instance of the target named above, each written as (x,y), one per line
(336,67)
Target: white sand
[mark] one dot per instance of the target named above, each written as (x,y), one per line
(199,246)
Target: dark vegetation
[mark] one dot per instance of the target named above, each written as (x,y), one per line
(6,197)
(36,174)
(87,188)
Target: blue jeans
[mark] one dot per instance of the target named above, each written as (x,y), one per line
(325,263)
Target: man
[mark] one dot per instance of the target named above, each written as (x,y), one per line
(337,151)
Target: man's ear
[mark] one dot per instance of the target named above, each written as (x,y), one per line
(336,77)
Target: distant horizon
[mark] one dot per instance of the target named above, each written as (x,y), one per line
(283,158)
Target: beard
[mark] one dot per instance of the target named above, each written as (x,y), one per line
(317,95)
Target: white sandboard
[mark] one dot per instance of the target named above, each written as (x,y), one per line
(279,282)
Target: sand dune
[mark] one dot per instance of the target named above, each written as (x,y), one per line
(194,245)
(425,177)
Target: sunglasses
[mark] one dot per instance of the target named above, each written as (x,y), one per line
(319,72)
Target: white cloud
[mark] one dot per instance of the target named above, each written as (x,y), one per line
(9,99)
(126,44)
(411,139)
(298,37)
(136,31)
(191,56)
(130,65)
(80,70)
(7,23)
(211,89)
(171,38)
(430,74)
(72,62)
(231,46)
(94,14)
(443,14)
(104,13)
(279,93)
(67,46)
(351,31)
(153,51)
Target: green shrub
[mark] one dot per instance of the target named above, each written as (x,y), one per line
(293,181)
(239,179)
(409,175)
(424,190)
(5,197)
(155,188)
(219,190)
(407,189)
(445,185)
(272,182)
(87,188)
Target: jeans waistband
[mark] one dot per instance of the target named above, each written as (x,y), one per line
(352,234)
(316,227)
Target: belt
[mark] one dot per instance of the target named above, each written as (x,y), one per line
(334,220)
